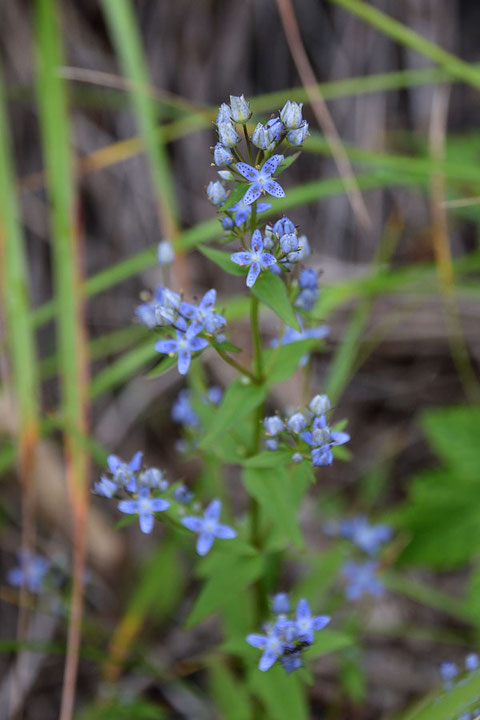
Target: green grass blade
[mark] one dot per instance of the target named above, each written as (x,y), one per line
(123,27)
(455,67)
(72,359)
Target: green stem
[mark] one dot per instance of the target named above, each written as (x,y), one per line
(241,369)
(249,146)
(257,346)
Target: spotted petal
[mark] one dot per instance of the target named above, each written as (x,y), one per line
(256,640)
(248,172)
(197,343)
(267,260)
(225,532)
(205,542)
(257,242)
(319,622)
(136,461)
(208,300)
(146,522)
(113,463)
(195,524)
(166,346)
(241,258)
(253,274)
(253,193)
(187,310)
(128,506)
(159,504)
(213,510)
(184,358)
(267,660)
(273,188)
(270,167)
(339,438)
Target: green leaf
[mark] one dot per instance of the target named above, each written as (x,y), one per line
(327,641)
(271,291)
(284,697)
(283,361)
(119,371)
(162,367)
(231,697)
(445,706)
(287,162)
(123,710)
(222,259)
(275,493)
(231,575)
(269,459)
(236,194)
(454,434)
(238,401)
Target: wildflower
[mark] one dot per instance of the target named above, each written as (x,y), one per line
(306,624)
(240,110)
(284,226)
(243,211)
(448,671)
(123,473)
(261,180)
(261,137)
(154,479)
(275,129)
(223,114)
(297,137)
(362,579)
(165,253)
(208,527)
(203,317)
(321,438)
(291,660)
(320,404)
(183,494)
(30,572)
(297,458)
(182,410)
(291,114)
(280,603)
(222,155)
(105,487)
(227,134)
(214,395)
(184,345)
(216,193)
(367,537)
(273,425)
(297,422)
(144,507)
(256,258)
(289,243)
(272,647)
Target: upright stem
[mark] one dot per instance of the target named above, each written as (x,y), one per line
(257,346)
(249,146)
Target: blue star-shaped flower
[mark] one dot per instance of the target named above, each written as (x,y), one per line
(261,180)
(256,258)
(242,210)
(202,316)
(184,345)
(124,473)
(306,624)
(144,507)
(362,579)
(30,572)
(367,537)
(208,527)
(271,644)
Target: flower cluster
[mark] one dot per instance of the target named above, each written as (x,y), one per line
(185,414)
(30,572)
(285,638)
(194,325)
(305,432)
(148,491)
(450,671)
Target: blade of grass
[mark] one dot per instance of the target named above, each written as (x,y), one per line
(72,348)
(453,65)
(21,345)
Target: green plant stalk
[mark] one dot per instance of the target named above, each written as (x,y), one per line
(72,355)
(455,67)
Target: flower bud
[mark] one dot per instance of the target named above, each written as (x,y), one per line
(297,458)
(271,444)
(280,604)
(146,314)
(273,425)
(182,494)
(308,278)
(297,136)
(291,115)
(303,247)
(216,193)
(283,226)
(222,155)
(306,299)
(320,404)
(165,253)
(227,134)
(296,423)
(227,223)
(275,129)
(226,175)
(240,110)
(289,242)
(223,114)
(268,238)
(261,137)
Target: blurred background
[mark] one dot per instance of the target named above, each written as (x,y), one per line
(399,350)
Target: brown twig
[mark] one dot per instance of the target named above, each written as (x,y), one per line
(321,112)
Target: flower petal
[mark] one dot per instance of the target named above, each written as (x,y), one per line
(256,640)
(257,242)
(270,167)
(195,524)
(263,206)
(208,300)
(252,194)
(241,258)
(197,343)
(136,461)
(339,438)
(205,542)
(113,463)
(146,522)
(303,610)
(128,506)
(267,260)
(166,346)
(184,357)
(273,188)
(253,274)
(267,660)
(241,216)
(213,510)
(225,532)
(319,622)
(247,171)
(159,504)
(187,310)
